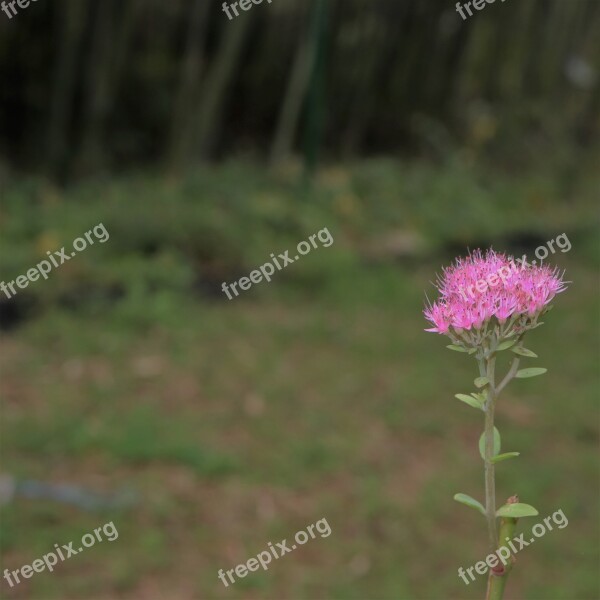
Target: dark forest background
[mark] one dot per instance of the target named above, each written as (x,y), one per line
(89,87)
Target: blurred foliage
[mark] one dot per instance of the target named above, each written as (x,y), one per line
(317,395)
(170,240)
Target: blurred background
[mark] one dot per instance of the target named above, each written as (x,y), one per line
(134,391)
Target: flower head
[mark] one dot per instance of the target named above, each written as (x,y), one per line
(491,288)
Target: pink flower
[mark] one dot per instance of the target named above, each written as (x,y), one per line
(509,290)
(437,315)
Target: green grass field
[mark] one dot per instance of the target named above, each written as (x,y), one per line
(318,395)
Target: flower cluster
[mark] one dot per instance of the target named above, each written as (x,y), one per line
(477,288)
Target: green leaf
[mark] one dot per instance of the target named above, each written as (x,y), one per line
(505,456)
(524,352)
(496,443)
(481,381)
(472,350)
(465,499)
(469,400)
(533,372)
(516,511)
(505,345)
(456,348)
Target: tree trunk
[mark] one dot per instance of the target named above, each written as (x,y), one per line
(218,81)
(287,123)
(72,19)
(181,134)
(315,112)
(98,87)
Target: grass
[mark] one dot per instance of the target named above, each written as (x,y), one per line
(317,396)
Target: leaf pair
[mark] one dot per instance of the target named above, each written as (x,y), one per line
(524,352)
(533,372)
(525,373)
(513,511)
(496,458)
(474,400)
(517,510)
(461,349)
(466,499)
(506,344)
(481,382)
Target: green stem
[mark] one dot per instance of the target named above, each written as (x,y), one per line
(490,483)
(497,580)
(498,577)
